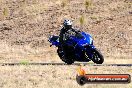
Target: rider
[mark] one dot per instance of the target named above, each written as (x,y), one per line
(65,33)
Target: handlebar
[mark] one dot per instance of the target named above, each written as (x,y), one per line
(79,35)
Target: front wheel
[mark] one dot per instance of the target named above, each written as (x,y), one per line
(97,57)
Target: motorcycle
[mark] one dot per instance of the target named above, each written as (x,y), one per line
(84,50)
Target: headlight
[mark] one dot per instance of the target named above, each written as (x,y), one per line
(91,40)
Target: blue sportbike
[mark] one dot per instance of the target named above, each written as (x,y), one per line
(84,50)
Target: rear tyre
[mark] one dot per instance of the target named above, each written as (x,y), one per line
(60,52)
(97,57)
(67,60)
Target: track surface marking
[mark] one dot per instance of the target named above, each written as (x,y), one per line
(61,64)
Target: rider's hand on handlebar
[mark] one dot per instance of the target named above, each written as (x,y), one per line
(79,35)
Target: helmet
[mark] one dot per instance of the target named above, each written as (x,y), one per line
(67,24)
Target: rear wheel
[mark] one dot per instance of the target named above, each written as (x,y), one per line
(67,60)
(97,57)
(60,52)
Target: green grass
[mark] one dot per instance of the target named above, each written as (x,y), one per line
(24,62)
(94,17)
(82,20)
(5,12)
(64,3)
(87,4)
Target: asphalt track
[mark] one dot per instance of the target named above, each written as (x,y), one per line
(61,64)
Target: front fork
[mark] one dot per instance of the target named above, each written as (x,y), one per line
(89,51)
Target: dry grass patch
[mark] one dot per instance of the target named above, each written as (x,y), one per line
(26,76)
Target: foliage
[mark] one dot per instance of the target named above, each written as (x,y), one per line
(82,20)
(64,3)
(87,4)
(24,62)
(5,12)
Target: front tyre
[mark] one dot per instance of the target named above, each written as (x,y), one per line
(97,57)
